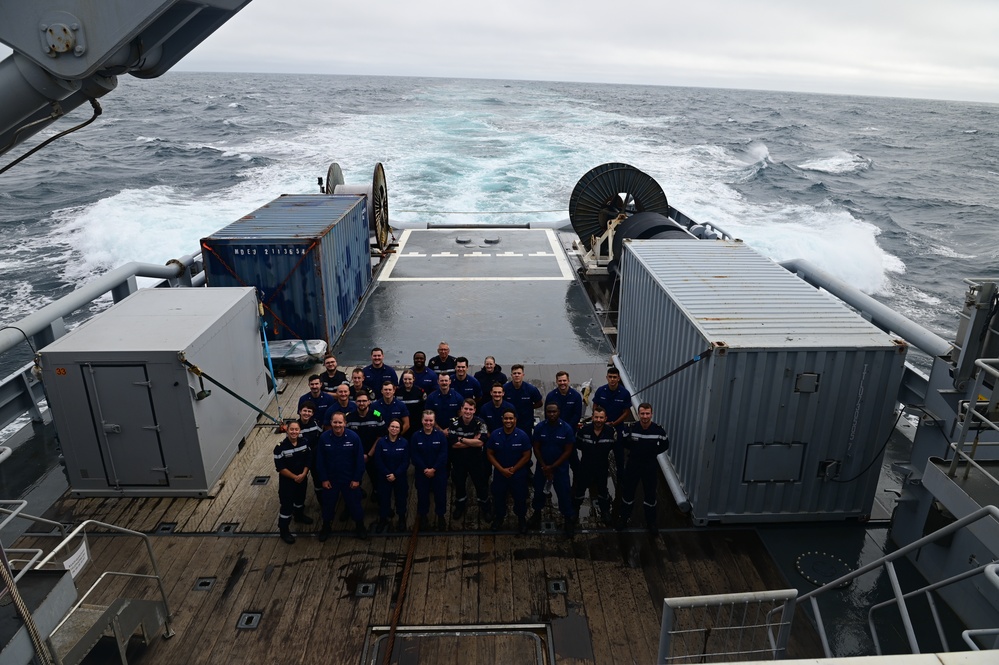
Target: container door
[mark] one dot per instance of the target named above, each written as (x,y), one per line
(124,422)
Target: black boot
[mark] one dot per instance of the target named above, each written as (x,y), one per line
(486,511)
(521,526)
(325,532)
(301,517)
(459,511)
(287,537)
(361,532)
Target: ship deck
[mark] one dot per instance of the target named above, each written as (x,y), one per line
(472,595)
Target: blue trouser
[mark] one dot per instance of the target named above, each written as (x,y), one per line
(386,490)
(437,485)
(560,481)
(516,485)
(292,498)
(647,473)
(351,498)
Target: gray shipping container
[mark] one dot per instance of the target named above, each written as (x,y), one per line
(786,419)
(127,410)
(309,256)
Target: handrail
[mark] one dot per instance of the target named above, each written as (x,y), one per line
(988,366)
(988,570)
(27,562)
(94,586)
(13,513)
(811,596)
(149,549)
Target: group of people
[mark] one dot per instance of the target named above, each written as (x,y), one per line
(449,424)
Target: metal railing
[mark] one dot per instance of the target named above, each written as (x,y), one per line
(21,393)
(152,559)
(726,627)
(887,563)
(986,367)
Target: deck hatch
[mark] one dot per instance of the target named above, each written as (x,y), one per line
(520,643)
(260,480)
(166,527)
(365,590)
(227,528)
(204,583)
(249,620)
(559,586)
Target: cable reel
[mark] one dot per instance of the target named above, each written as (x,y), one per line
(377,198)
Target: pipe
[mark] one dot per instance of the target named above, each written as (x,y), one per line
(881,315)
(35,323)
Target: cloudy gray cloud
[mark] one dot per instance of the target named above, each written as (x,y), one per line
(915,48)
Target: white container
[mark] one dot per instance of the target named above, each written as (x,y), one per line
(128,412)
(787,418)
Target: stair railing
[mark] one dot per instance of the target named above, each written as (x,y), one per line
(887,563)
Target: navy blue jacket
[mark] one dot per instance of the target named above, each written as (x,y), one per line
(570,405)
(339,459)
(429,451)
(509,448)
(553,439)
(445,407)
(323,403)
(392,457)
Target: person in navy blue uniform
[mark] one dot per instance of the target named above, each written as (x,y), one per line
(595,442)
(342,404)
(467,435)
(570,408)
(428,449)
(369,428)
(443,362)
(616,400)
(320,400)
(414,398)
(332,377)
(424,377)
(310,436)
(357,385)
(465,385)
(340,466)
(492,411)
(392,460)
(554,440)
(645,441)
(291,460)
(509,452)
(444,402)
(388,407)
(378,372)
(489,374)
(524,397)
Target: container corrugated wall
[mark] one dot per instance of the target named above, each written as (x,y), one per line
(783,419)
(309,257)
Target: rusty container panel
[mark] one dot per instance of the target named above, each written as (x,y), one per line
(786,418)
(307,255)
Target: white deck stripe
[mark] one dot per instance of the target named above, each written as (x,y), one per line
(563,264)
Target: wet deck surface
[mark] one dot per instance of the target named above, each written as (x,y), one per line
(509,293)
(466,576)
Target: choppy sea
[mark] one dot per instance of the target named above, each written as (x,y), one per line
(900,197)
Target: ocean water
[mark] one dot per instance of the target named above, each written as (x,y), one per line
(896,196)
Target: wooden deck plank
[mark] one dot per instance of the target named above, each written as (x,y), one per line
(592,605)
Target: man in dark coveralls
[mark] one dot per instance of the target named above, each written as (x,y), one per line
(509,451)
(340,467)
(595,442)
(467,436)
(645,441)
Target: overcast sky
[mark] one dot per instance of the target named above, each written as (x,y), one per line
(941,49)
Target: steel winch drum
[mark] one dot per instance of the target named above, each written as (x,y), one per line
(596,198)
(376,193)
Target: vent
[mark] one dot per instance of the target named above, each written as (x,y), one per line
(260,480)
(558,586)
(249,620)
(227,528)
(204,583)
(365,590)
(166,527)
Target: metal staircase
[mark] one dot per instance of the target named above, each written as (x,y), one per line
(86,623)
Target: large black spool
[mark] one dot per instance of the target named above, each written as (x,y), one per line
(646,226)
(596,198)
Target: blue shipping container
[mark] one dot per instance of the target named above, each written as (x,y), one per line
(309,257)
